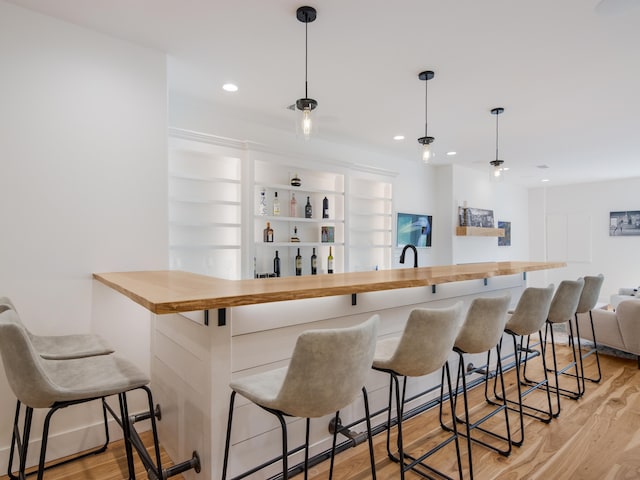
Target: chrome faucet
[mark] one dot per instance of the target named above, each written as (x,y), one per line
(415,254)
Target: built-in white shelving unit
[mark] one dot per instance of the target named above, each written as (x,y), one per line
(216,224)
(205,205)
(316,186)
(370,222)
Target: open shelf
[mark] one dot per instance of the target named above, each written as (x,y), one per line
(479,232)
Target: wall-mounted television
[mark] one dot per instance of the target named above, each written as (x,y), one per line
(414,229)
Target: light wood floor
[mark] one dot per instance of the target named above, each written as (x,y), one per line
(595,438)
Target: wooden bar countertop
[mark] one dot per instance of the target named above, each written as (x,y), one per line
(170,291)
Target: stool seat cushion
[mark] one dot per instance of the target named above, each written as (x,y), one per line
(261,388)
(63,347)
(484,324)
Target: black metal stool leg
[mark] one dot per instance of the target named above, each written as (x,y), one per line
(365,397)
(126,430)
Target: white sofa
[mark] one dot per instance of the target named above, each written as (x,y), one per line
(619,329)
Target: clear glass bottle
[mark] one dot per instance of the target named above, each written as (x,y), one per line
(293,206)
(267,234)
(307,209)
(276,205)
(330,262)
(298,264)
(262,203)
(314,263)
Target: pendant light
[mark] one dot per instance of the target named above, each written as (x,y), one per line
(426,141)
(497,170)
(305,105)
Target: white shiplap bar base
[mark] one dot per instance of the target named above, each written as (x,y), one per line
(192,365)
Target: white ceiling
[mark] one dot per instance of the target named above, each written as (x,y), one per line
(566,72)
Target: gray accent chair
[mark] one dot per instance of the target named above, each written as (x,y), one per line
(54,384)
(481,332)
(527,319)
(326,373)
(423,347)
(619,329)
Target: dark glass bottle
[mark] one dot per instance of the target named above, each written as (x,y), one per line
(307,209)
(298,264)
(314,263)
(325,208)
(267,234)
(276,265)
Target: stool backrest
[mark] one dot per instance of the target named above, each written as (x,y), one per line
(427,340)
(484,324)
(328,369)
(22,365)
(531,312)
(565,301)
(590,293)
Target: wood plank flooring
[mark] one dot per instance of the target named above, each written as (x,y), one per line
(595,438)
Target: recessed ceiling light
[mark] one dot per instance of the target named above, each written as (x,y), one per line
(545,180)
(451,154)
(230,87)
(398,137)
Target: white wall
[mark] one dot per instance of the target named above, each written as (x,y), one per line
(508,202)
(571,223)
(84,180)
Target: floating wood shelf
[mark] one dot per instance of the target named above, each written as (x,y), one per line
(479,232)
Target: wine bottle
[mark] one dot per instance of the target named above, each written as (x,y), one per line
(330,262)
(276,205)
(298,264)
(267,233)
(314,263)
(307,209)
(325,208)
(276,265)
(293,206)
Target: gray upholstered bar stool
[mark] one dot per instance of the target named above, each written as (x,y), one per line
(527,319)
(424,347)
(56,384)
(588,301)
(65,347)
(563,308)
(326,372)
(481,332)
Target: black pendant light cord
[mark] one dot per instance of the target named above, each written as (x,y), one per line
(426,105)
(497,115)
(306,56)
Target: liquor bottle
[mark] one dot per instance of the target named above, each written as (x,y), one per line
(307,209)
(293,206)
(262,203)
(325,208)
(298,264)
(276,205)
(276,265)
(267,233)
(294,237)
(314,263)
(295,181)
(330,262)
